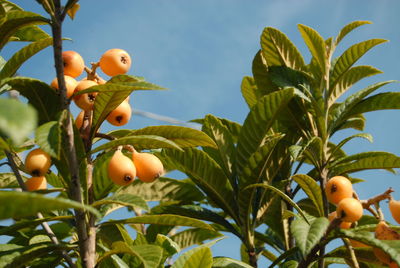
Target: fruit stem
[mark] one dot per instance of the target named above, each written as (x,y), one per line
(352,253)
(375,202)
(91,72)
(104,136)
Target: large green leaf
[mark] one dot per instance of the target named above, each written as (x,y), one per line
(165,219)
(37,203)
(194,236)
(279,50)
(165,190)
(363,255)
(346,140)
(182,136)
(225,262)
(17,120)
(149,255)
(39,94)
(364,161)
(13,64)
(349,78)
(120,200)
(249,90)
(348,28)
(312,190)
(257,124)
(30,34)
(315,44)
(8,180)
(206,173)
(16,20)
(350,56)
(381,101)
(48,137)
(140,142)
(260,73)
(194,258)
(308,235)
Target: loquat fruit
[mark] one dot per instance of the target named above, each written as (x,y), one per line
(148,166)
(115,61)
(73,63)
(85,101)
(349,209)
(121,169)
(120,115)
(384,232)
(394,207)
(37,162)
(343,224)
(79,119)
(36,183)
(338,188)
(70,84)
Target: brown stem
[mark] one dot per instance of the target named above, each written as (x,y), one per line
(44,225)
(253,257)
(75,187)
(104,136)
(374,201)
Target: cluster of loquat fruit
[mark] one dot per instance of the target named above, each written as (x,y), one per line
(339,191)
(121,169)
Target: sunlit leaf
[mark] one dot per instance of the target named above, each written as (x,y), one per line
(225,262)
(312,190)
(194,236)
(315,44)
(194,258)
(348,28)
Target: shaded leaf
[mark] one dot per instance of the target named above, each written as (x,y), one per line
(8,180)
(260,73)
(312,190)
(194,236)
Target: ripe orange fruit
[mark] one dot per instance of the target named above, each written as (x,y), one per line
(36,183)
(79,119)
(120,115)
(384,232)
(148,166)
(343,224)
(73,63)
(115,61)
(349,209)
(338,188)
(394,207)
(85,101)
(37,162)
(70,83)
(121,169)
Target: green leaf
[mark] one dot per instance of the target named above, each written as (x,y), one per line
(250,92)
(308,235)
(315,44)
(8,180)
(350,56)
(16,20)
(364,161)
(225,262)
(48,137)
(30,34)
(194,236)
(165,190)
(348,79)
(182,136)
(17,120)
(164,219)
(149,255)
(206,173)
(37,203)
(194,258)
(257,124)
(366,136)
(140,142)
(381,101)
(39,94)
(348,28)
(167,244)
(260,73)
(13,64)
(279,50)
(312,190)
(120,200)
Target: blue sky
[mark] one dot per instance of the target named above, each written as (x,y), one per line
(200,51)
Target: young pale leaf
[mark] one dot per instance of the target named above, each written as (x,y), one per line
(39,94)
(278,50)
(348,28)
(308,235)
(194,258)
(164,219)
(312,190)
(16,20)
(48,137)
(315,44)
(13,64)
(225,262)
(17,120)
(351,55)
(37,203)
(257,124)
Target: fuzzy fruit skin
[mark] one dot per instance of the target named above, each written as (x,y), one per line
(121,169)
(37,162)
(36,183)
(79,119)
(349,210)
(73,63)
(70,83)
(85,101)
(115,61)
(384,232)
(148,166)
(338,188)
(343,224)
(394,207)
(120,115)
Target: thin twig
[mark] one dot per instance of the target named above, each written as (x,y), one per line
(352,253)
